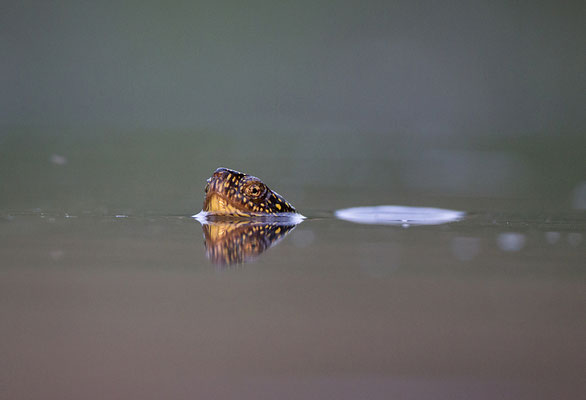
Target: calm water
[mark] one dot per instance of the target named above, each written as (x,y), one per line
(106,306)
(110,289)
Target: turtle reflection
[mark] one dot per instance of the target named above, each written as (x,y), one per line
(235,242)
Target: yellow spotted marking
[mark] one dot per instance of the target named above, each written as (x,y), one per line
(278,206)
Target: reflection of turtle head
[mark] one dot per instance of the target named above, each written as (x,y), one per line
(236,242)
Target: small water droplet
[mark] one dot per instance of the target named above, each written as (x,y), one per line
(511,241)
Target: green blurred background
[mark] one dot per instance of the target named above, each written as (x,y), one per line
(127,107)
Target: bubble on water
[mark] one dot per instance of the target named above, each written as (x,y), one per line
(465,248)
(552,237)
(574,239)
(511,241)
(58,159)
(579,196)
(399,215)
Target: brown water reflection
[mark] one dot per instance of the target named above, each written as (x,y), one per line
(105,307)
(230,242)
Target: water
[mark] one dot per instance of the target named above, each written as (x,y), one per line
(109,287)
(482,307)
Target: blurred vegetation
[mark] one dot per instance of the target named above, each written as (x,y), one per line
(331,103)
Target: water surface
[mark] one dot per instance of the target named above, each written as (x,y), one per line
(483,307)
(110,289)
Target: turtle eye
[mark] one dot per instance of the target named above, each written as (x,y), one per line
(254,190)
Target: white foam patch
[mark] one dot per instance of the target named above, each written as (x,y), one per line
(279,219)
(399,215)
(201,216)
